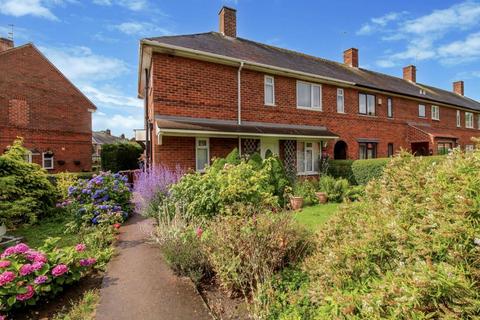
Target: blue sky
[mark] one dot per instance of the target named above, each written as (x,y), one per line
(95,42)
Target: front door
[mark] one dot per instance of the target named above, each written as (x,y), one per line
(268,147)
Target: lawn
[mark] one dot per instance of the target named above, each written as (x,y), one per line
(315,216)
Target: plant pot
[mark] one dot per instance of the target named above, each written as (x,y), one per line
(3,231)
(296,203)
(322,197)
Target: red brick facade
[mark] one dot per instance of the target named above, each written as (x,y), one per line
(39,104)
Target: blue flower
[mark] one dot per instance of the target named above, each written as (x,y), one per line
(95,220)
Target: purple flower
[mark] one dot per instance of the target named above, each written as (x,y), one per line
(80,247)
(26,269)
(59,270)
(40,279)
(87,262)
(6,277)
(4,263)
(25,296)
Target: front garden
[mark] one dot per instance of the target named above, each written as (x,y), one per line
(66,229)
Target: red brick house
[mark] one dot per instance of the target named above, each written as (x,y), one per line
(38,103)
(208,93)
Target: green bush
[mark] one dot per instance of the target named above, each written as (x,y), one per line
(337,190)
(25,192)
(408,250)
(341,169)
(366,170)
(306,189)
(246,251)
(120,156)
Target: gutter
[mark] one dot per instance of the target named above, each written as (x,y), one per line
(239,93)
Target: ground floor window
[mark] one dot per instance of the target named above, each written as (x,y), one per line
(367,150)
(444,147)
(390,150)
(202,153)
(308,154)
(47,160)
(469,147)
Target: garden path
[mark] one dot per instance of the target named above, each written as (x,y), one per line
(139,285)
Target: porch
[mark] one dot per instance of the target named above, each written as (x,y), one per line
(426,140)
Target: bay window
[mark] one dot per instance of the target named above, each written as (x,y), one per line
(202,151)
(309,96)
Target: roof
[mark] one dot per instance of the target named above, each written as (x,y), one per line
(101,137)
(170,124)
(255,52)
(434,132)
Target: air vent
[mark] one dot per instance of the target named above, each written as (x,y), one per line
(423,92)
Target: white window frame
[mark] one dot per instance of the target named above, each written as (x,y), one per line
(424,111)
(315,156)
(459,120)
(341,94)
(28,156)
(367,111)
(469,147)
(206,147)
(435,112)
(469,120)
(43,162)
(389,108)
(265,85)
(311,107)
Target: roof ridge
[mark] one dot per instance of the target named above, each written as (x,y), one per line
(181,35)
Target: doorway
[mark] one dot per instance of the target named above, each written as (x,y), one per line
(340,150)
(420,149)
(268,147)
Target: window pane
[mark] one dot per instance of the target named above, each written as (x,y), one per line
(362,103)
(202,143)
(202,159)
(371,104)
(303,95)
(315,97)
(362,151)
(389,108)
(340,100)
(268,94)
(309,160)
(316,156)
(421,110)
(300,157)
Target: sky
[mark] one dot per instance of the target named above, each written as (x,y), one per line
(95,43)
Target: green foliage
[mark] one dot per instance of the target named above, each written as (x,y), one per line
(120,156)
(246,251)
(233,158)
(63,181)
(306,189)
(84,309)
(338,190)
(341,169)
(366,170)
(25,192)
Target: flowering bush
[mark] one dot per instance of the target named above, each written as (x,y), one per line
(104,199)
(27,274)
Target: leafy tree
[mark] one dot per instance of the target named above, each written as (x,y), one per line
(120,156)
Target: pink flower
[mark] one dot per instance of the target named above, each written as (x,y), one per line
(6,277)
(199,232)
(40,280)
(26,269)
(37,265)
(36,256)
(87,262)
(3,317)
(4,264)
(25,296)
(58,270)
(80,247)
(21,248)
(117,225)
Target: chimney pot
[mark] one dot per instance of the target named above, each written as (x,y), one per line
(228,22)
(410,73)
(350,57)
(5,44)
(458,87)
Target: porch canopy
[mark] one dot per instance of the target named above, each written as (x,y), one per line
(419,133)
(185,126)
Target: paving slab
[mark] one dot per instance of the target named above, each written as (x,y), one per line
(139,285)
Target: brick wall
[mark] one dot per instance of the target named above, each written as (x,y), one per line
(39,104)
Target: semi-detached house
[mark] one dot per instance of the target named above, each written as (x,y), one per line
(208,93)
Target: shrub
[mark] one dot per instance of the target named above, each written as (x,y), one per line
(306,189)
(246,251)
(337,189)
(120,156)
(366,170)
(25,192)
(341,169)
(63,181)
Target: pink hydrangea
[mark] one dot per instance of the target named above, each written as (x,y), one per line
(4,264)
(80,247)
(3,317)
(6,277)
(37,265)
(8,252)
(26,269)
(87,262)
(35,256)
(40,279)
(58,270)
(21,248)
(25,296)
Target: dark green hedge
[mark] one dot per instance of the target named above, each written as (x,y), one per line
(341,169)
(120,156)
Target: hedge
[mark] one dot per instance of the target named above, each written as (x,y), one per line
(120,156)
(80,175)
(362,171)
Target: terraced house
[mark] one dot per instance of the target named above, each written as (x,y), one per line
(208,93)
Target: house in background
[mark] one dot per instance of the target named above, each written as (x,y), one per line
(38,103)
(208,93)
(99,138)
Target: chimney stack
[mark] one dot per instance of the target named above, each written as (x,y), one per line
(350,57)
(108,132)
(410,73)
(458,87)
(5,44)
(228,22)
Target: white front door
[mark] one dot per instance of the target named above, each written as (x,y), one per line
(268,146)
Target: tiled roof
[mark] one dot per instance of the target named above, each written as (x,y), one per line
(101,137)
(250,51)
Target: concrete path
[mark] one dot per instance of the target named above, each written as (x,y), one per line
(139,285)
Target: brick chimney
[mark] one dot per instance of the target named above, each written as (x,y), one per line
(228,21)
(410,73)
(458,87)
(5,44)
(350,57)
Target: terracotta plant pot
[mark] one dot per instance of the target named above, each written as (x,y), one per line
(296,203)
(322,197)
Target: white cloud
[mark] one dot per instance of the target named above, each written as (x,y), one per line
(461,50)
(110,97)
(377,23)
(118,123)
(19,8)
(134,5)
(141,29)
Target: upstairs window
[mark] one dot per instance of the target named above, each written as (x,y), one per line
(47,160)
(309,96)
(269,91)
(202,151)
(366,104)
(340,101)
(459,121)
(468,120)
(435,113)
(389,108)
(421,111)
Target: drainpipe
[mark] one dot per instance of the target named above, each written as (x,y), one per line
(239,80)
(147,124)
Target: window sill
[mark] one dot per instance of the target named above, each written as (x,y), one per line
(310,109)
(436,120)
(307,173)
(367,115)
(341,112)
(270,105)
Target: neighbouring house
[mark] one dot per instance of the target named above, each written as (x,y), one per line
(38,103)
(99,138)
(208,93)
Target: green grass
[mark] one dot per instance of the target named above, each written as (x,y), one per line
(81,310)
(35,235)
(315,216)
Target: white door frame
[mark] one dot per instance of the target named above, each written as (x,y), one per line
(269,143)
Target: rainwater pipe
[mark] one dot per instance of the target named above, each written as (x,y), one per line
(239,99)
